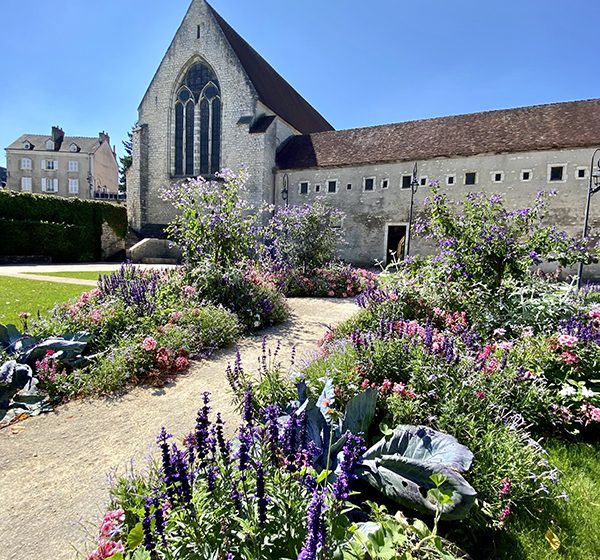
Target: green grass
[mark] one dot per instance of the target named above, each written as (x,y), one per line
(79,274)
(17,294)
(576,522)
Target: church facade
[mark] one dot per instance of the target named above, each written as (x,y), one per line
(214,102)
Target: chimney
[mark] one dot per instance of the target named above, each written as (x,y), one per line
(103,137)
(57,137)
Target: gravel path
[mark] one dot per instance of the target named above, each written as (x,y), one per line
(53,483)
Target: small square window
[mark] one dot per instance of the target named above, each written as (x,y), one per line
(450,179)
(25,163)
(369,183)
(581,172)
(497,176)
(557,173)
(406,181)
(349,187)
(385,183)
(73,166)
(303,189)
(50,164)
(331,186)
(526,175)
(423,181)
(317,188)
(470,178)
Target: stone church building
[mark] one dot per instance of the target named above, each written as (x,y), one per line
(214,102)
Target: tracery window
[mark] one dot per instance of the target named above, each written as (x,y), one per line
(197,114)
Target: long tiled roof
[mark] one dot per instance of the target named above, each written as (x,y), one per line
(86,144)
(542,127)
(272,89)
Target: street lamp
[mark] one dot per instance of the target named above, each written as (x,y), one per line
(414,186)
(285,192)
(593,188)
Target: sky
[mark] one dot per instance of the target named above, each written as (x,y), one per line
(85,65)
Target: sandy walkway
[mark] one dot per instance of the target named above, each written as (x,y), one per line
(53,468)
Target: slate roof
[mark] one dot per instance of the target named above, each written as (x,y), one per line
(272,89)
(572,124)
(86,144)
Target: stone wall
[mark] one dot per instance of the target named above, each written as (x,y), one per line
(368,214)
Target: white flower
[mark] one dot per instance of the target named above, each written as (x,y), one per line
(585,392)
(567,390)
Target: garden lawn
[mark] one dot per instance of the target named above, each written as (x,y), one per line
(17,294)
(80,274)
(574,522)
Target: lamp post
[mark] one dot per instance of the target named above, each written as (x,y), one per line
(414,186)
(285,192)
(593,188)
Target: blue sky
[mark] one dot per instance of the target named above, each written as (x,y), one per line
(86,65)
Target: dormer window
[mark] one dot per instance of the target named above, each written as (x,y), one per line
(27,145)
(50,145)
(74,147)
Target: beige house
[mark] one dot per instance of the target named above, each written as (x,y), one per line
(70,166)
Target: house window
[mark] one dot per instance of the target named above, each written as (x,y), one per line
(450,179)
(497,176)
(49,185)
(25,163)
(581,172)
(50,145)
(73,186)
(331,186)
(197,118)
(317,188)
(73,166)
(526,175)
(556,173)
(369,183)
(385,183)
(349,187)
(26,184)
(423,181)
(303,189)
(406,181)
(470,178)
(49,164)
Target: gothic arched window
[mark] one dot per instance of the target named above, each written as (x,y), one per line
(198,123)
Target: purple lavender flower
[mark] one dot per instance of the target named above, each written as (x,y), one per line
(147,526)
(315,528)
(271,414)
(261,497)
(203,442)
(352,452)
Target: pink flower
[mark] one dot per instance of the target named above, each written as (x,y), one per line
(365,384)
(505,345)
(189,291)
(149,343)
(331,293)
(500,332)
(84,297)
(590,413)
(95,315)
(163,357)
(96,292)
(567,340)
(175,316)
(106,550)
(385,386)
(393,296)
(505,487)
(569,357)
(480,395)
(527,332)
(182,363)
(505,513)
(399,388)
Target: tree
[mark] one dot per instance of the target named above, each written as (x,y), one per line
(125,162)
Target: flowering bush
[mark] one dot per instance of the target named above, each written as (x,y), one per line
(214,221)
(486,242)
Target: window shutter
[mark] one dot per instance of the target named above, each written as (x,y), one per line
(43,184)
(43,164)
(55,185)
(55,164)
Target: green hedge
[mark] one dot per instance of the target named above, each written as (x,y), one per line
(62,242)
(86,217)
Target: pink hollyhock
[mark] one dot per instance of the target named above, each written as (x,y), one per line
(149,343)
(182,363)
(567,340)
(106,550)
(570,357)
